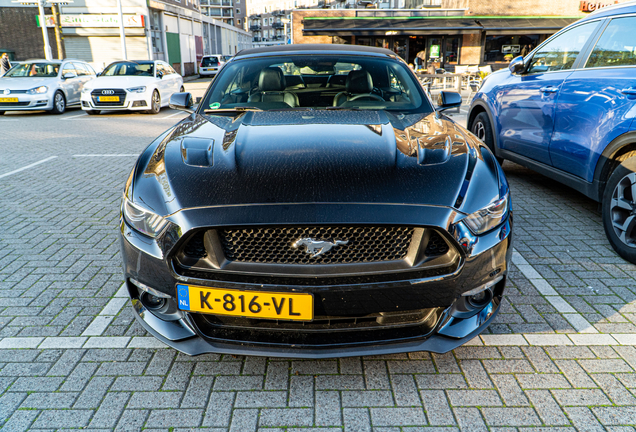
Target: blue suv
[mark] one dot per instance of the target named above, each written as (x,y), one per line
(567,109)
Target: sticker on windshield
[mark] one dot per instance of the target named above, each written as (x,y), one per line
(215,105)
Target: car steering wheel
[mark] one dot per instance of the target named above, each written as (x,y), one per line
(369,95)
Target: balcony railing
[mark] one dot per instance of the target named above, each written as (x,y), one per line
(279,13)
(278,25)
(255,27)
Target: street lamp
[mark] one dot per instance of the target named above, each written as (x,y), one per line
(45,35)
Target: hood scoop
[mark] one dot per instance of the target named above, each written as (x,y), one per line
(434,149)
(197,152)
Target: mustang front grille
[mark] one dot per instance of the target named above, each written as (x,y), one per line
(316,245)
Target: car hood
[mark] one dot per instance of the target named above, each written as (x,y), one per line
(315,157)
(120,82)
(25,83)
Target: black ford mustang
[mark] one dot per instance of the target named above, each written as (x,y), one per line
(315,204)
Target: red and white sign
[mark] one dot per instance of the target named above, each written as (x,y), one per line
(89,20)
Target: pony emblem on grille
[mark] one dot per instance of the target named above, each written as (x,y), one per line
(317,247)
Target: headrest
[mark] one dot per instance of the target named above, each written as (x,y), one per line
(271,79)
(359,82)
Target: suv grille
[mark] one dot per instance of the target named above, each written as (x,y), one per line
(116,92)
(275,245)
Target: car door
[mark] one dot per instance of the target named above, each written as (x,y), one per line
(527,102)
(83,73)
(163,83)
(71,83)
(176,79)
(597,102)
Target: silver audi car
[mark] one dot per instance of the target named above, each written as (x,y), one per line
(44,85)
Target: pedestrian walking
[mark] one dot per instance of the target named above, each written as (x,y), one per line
(5,64)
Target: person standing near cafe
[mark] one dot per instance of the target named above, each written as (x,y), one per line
(5,64)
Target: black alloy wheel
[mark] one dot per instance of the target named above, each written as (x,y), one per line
(155,103)
(619,209)
(482,129)
(59,103)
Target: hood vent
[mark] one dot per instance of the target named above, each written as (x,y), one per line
(197,152)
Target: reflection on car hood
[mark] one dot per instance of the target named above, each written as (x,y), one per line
(120,82)
(26,83)
(313,157)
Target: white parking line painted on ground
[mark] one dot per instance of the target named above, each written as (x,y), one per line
(114,306)
(75,116)
(577,320)
(98,326)
(8,120)
(27,167)
(101,322)
(169,116)
(106,155)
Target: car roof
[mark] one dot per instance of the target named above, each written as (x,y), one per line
(313,48)
(42,61)
(615,9)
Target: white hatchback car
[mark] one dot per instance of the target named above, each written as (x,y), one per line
(211,64)
(144,85)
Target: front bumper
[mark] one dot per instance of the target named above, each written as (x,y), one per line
(132,101)
(146,261)
(28,102)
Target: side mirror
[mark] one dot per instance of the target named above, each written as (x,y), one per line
(69,75)
(517,66)
(182,101)
(159,75)
(448,99)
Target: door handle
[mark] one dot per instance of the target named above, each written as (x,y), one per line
(631,91)
(549,89)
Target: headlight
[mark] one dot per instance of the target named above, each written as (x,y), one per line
(136,89)
(86,90)
(143,220)
(38,90)
(489,217)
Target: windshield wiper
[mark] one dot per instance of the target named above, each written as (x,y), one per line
(231,110)
(333,108)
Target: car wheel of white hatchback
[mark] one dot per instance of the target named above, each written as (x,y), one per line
(59,103)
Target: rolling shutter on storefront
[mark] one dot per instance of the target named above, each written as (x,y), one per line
(100,51)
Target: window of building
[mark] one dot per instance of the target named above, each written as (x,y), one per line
(617,46)
(238,21)
(505,48)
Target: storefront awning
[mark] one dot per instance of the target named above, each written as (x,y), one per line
(378,26)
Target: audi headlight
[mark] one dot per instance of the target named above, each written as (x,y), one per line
(38,90)
(142,220)
(136,89)
(489,217)
(86,90)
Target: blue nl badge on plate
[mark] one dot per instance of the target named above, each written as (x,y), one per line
(183,296)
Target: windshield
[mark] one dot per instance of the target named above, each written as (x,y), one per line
(27,70)
(130,68)
(324,81)
(209,61)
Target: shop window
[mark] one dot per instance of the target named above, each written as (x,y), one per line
(505,48)
(617,46)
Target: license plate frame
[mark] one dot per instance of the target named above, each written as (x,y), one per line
(107,98)
(9,99)
(253,304)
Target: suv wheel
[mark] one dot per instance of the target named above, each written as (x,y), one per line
(481,129)
(59,103)
(619,209)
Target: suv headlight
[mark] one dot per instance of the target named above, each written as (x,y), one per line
(143,221)
(136,89)
(489,217)
(38,90)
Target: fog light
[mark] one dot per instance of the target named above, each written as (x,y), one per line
(153,302)
(480,299)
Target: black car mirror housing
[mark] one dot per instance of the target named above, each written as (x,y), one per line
(517,66)
(182,101)
(448,99)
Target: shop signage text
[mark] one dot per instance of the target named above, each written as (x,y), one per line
(87,20)
(586,6)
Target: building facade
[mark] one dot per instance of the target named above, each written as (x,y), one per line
(172,30)
(231,12)
(269,21)
(441,33)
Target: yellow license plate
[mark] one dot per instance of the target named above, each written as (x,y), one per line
(13,99)
(108,98)
(251,304)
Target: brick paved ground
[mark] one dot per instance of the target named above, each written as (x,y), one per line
(561,355)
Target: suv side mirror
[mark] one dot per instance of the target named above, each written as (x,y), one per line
(517,66)
(448,99)
(182,101)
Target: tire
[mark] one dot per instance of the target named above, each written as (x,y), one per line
(59,103)
(93,112)
(619,209)
(482,129)
(155,103)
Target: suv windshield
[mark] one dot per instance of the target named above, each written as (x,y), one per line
(130,68)
(27,70)
(324,81)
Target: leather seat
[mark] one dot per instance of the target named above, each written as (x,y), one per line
(359,82)
(271,88)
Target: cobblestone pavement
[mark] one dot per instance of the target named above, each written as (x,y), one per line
(561,355)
